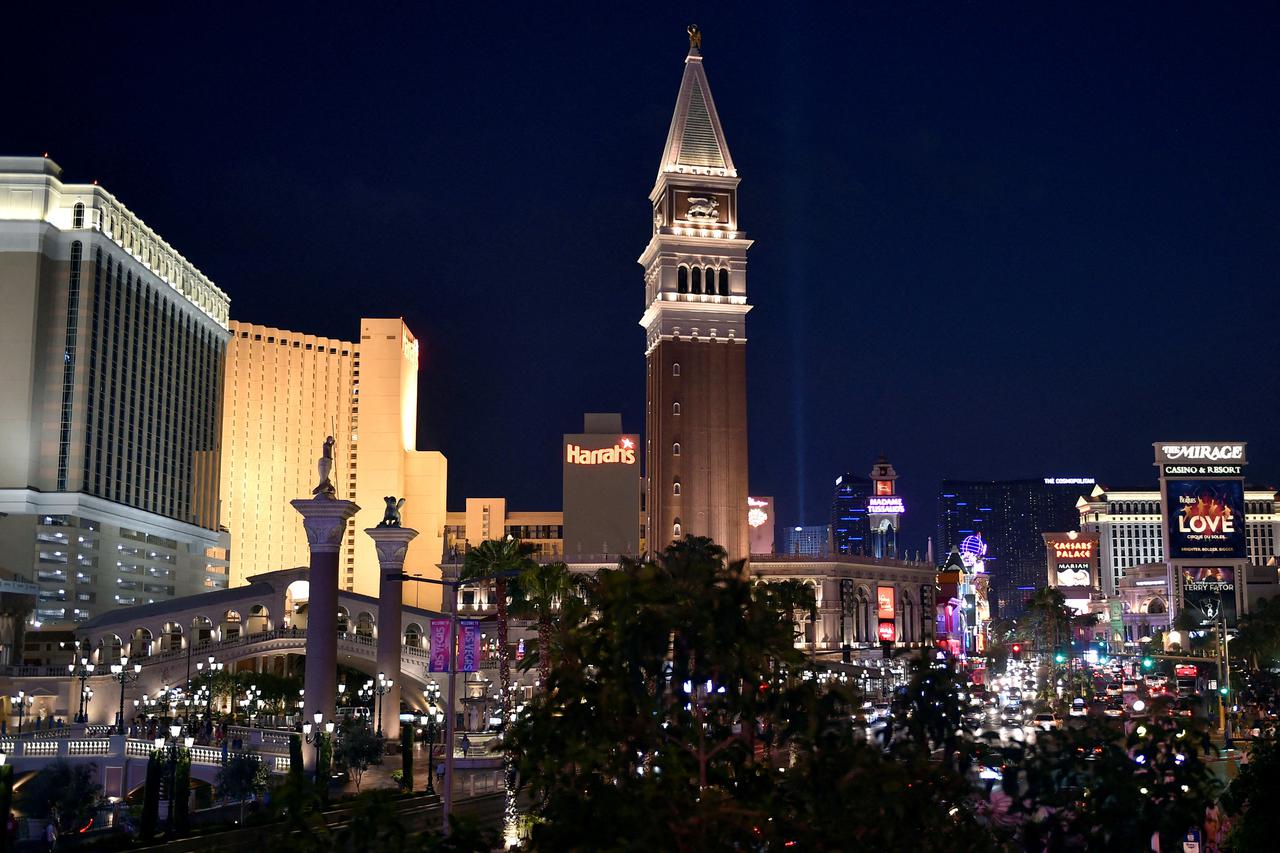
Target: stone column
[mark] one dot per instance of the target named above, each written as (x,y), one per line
(392,544)
(325,520)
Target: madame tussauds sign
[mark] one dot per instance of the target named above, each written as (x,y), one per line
(623,453)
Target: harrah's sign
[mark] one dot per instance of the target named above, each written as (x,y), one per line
(1218,451)
(619,454)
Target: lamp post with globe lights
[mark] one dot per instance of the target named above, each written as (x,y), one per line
(22,702)
(82,671)
(315,731)
(124,674)
(382,688)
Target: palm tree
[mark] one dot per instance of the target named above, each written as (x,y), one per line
(498,560)
(540,589)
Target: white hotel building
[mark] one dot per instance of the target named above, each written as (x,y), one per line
(1128,525)
(112,347)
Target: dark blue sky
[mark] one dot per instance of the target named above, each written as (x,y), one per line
(993,240)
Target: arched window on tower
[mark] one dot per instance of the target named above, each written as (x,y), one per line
(675,408)
(675,449)
(675,529)
(675,369)
(696,286)
(724,282)
(77,215)
(675,488)
(682,280)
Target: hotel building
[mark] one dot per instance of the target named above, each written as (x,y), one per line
(1128,524)
(285,392)
(111,357)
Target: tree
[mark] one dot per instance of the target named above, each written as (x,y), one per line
(6,802)
(540,589)
(151,796)
(182,792)
(499,559)
(242,776)
(63,792)
(296,761)
(1090,787)
(1251,798)
(358,747)
(406,756)
(698,723)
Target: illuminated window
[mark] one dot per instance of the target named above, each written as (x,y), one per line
(675,408)
(675,449)
(682,280)
(675,488)
(675,369)
(724,282)
(675,529)
(77,215)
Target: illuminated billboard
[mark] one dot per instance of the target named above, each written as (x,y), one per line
(884,602)
(1205,519)
(1209,594)
(760,525)
(885,506)
(1073,559)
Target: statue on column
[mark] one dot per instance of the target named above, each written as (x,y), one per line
(391,515)
(324,465)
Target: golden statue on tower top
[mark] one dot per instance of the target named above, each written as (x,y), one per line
(695,38)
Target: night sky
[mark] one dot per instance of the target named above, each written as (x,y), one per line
(993,240)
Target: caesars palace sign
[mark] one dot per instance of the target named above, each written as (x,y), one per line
(622,453)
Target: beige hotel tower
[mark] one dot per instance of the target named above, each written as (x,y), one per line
(285,392)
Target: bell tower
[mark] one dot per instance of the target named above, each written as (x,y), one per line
(695,277)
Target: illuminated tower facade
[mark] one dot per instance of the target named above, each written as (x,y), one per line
(695,275)
(884,511)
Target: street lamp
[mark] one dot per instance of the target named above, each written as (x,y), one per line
(82,672)
(123,673)
(313,733)
(430,720)
(175,732)
(382,689)
(212,667)
(23,701)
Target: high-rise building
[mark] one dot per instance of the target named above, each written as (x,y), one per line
(111,358)
(849,514)
(695,275)
(807,540)
(286,391)
(601,489)
(1010,516)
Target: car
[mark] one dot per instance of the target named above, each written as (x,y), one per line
(881,711)
(1047,721)
(1114,689)
(1078,708)
(1129,686)
(1113,710)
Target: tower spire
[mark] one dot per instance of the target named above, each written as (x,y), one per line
(695,141)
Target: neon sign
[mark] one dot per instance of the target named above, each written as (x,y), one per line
(887,632)
(1207,452)
(1069,481)
(756,515)
(624,453)
(886,506)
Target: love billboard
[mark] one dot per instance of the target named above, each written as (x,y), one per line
(1205,519)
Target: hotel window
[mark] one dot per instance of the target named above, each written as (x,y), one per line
(675,408)
(77,215)
(675,488)
(675,529)
(675,449)
(675,369)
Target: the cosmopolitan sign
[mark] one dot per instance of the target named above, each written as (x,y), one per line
(885,506)
(622,453)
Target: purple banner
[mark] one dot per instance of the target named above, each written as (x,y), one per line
(439,646)
(469,645)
